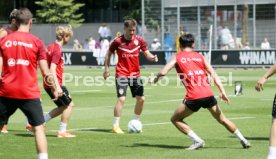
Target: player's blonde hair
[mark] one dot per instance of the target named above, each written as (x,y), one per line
(63,31)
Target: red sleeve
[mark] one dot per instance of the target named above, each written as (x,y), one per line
(143,45)
(42,53)
(56,55)
(113,46)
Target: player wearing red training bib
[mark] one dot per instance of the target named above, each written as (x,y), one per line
(13,27)
(4,32)
(191,68)
(20,54)
(128,47)
(64,102)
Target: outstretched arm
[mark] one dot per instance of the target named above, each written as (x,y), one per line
(106,73)
(164,71)
(217,81)
(263,79)
(149,56)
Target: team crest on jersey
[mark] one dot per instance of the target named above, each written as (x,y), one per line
(121,91)
(136,42)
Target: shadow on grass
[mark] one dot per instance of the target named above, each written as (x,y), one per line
(97,130)
(31,135)
(157,145)
(178,147)
(255,138)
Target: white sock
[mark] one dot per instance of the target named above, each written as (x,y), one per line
(116,121)
(62,127)
(194,136)
(136,117)
(271,153)
(43,156)
(27,122)
(47,117)
(239,135)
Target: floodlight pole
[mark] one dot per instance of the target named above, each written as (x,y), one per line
(178,17)
(143,17)
(162,24)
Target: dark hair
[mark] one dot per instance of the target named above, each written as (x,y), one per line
(130,22)
(186,40)
(23,16)
(13,15)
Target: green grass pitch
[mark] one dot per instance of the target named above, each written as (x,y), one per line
(92,119)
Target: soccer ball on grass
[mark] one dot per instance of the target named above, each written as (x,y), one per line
(134,126)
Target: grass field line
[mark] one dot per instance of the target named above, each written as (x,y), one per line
(85,91)
(172,100)
(149,124)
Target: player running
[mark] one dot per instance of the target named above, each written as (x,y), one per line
(56,62)
(191,68)
(272,139)
(20,53)
(127,47)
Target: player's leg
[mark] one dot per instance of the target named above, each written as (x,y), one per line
(65,116)
(65,105)
(182,112)
(121,87)
(59,103)
(7,108)
(139,106)
(33,111)
(229,125)
(272,139)
(137,91)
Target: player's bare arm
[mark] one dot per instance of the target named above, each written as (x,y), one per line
(1,66)
(53,68)
(48,77)
(259,85)
(217,81)
(164,71)
(3,33)
(149,56)
(106,73)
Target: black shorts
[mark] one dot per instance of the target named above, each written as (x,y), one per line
(64,100)
(195,105)
(274,108)
(135,84)
(30,107)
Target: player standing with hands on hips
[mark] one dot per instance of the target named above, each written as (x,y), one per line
(127,47)
(191,68)
(272,139)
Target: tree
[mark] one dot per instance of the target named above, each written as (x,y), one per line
(150,21)
(60,11)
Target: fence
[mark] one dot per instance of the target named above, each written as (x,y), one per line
(249,21)
(220,58)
